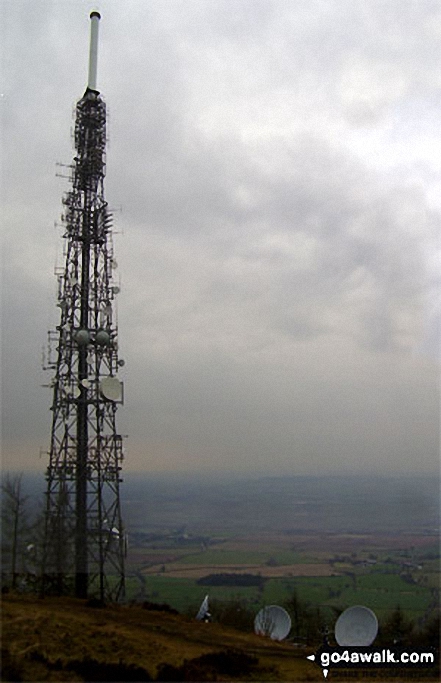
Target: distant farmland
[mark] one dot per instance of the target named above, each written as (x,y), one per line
(326,592)
(370,575)
(335,541)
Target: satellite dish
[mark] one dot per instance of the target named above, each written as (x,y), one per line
(82,337)
(203,610)
(121,362)
(111,388)
(356,627)
(102,338)
(116,289)
(272,621)
(114,263)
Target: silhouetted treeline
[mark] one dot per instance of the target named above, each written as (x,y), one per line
(235,613)
(232,580)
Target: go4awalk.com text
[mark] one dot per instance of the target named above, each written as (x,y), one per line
(367,657)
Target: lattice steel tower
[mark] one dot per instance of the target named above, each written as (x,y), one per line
(84,544)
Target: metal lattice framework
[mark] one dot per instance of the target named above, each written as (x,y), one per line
(84,546)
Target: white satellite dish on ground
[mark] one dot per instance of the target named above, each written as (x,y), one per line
(356,627)
(203,610)
(272,621)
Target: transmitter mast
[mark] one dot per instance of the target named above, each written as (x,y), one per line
(84,539)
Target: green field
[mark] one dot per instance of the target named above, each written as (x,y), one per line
(381,592)
(381,573)
(236,557)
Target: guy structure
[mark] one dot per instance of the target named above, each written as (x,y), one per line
(84,539)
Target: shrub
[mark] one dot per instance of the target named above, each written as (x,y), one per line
(11,667)
(232,663)
(95,603)
(308,623)
(234,613)
(396,629)
(92,670)
(159,607)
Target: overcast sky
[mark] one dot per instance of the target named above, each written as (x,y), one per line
(278,165)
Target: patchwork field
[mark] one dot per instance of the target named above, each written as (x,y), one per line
(329,571)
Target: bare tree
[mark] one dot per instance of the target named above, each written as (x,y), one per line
(13,521)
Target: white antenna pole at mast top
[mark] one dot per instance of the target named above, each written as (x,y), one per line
(93,54)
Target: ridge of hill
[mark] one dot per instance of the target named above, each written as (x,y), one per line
(65,639)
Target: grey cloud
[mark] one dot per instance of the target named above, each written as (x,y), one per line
(274,276)
(354,243)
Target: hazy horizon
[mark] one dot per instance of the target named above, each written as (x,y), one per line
(324,504)
(224,476)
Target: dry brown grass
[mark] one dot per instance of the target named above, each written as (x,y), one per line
(43,636)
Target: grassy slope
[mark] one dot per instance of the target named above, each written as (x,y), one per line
(43,636)
(66,629)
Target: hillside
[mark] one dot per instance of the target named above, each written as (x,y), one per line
(63,639)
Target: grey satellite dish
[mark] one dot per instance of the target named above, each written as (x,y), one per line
(203,610)
(111,388)
(272,621)
(116,289)
(356,627)
(82,337)
(102,338)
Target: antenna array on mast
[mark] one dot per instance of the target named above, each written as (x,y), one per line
(84,537)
